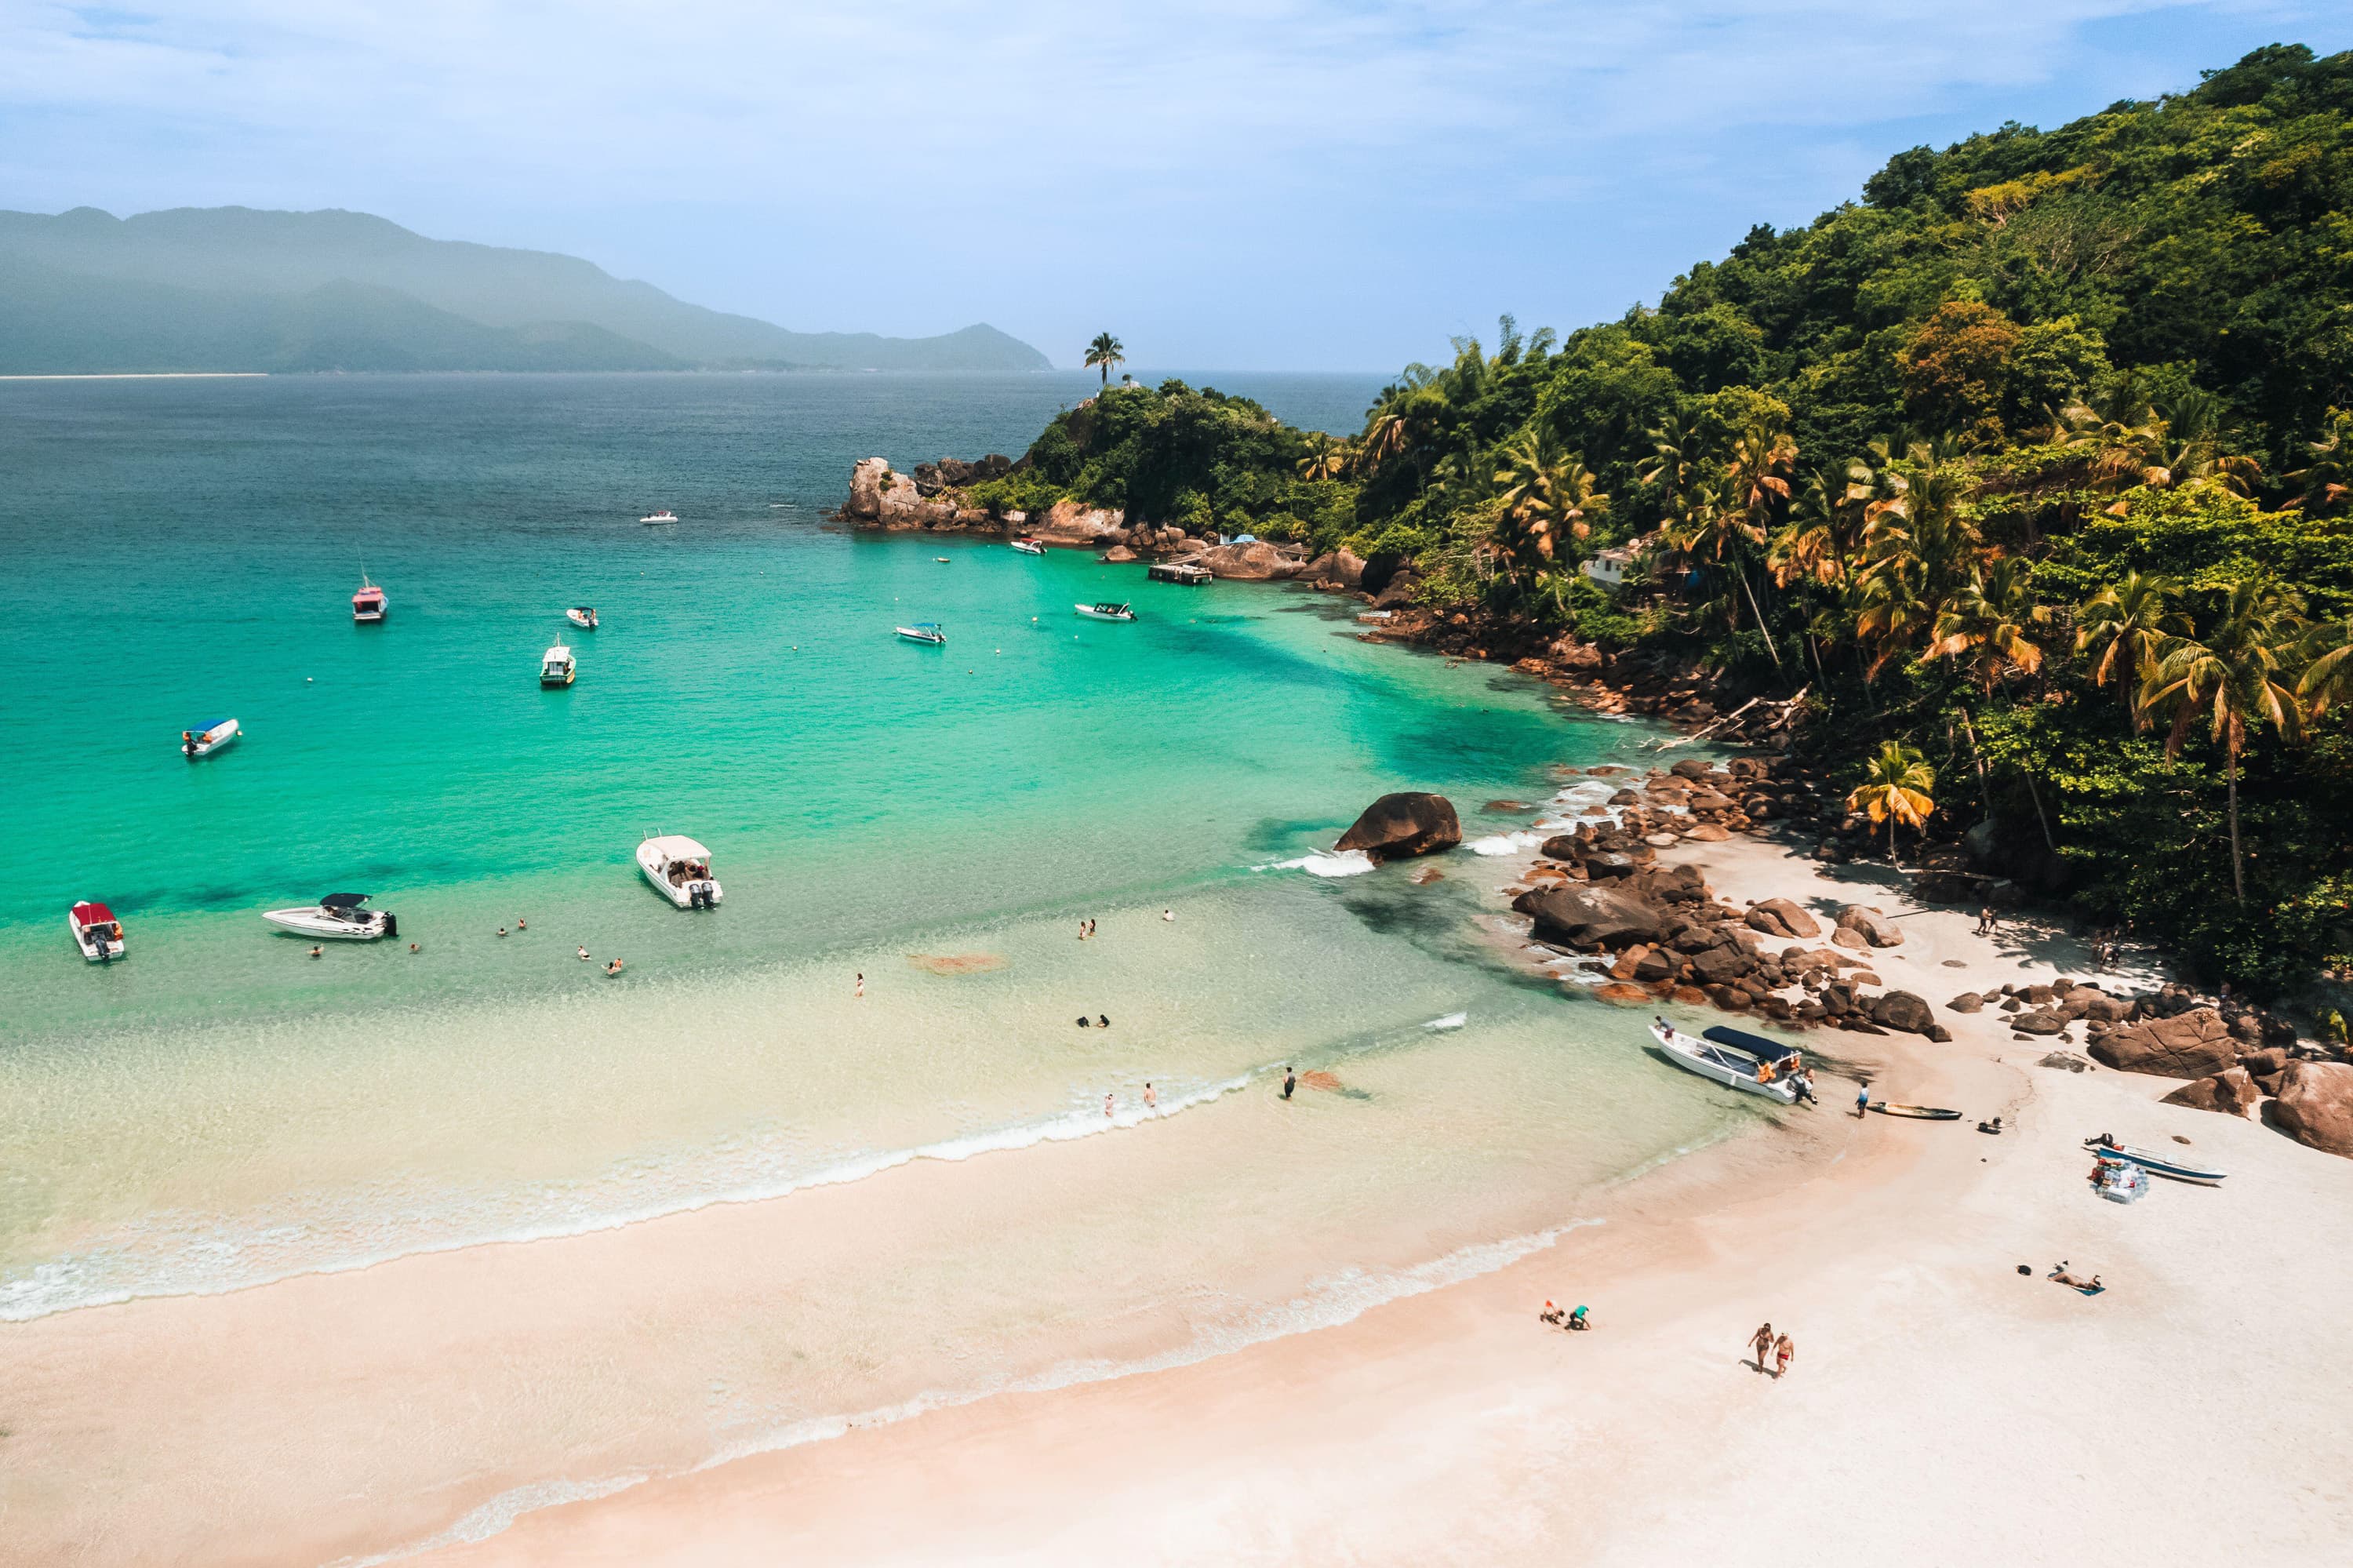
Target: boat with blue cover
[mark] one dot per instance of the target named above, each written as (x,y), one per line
(924,632)
(2107,1148)
(1735,1058)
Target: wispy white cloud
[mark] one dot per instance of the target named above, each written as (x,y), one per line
(1215,128)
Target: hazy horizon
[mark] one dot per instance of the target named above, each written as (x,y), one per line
(1331,186)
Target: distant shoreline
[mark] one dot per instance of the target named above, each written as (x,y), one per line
(141,376)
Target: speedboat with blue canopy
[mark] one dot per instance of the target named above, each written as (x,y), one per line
(924,632)
(1734,1058)
(338,916)
(203,739)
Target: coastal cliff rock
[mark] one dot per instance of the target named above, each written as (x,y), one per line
(2315,1106)
(1339,567)
(866,483)
(1255,562)
(2232,1093)
(1399,826)
(1068,523)
(2195,1044)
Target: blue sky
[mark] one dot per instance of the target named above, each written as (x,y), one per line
(1288,185)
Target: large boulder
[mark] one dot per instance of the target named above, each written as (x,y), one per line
(2194,1044)
(1257,561)
(1869,924)
(1397,827)
(1902,1010)
(1340,567)
(866,483)
(1589,914)
(2038,1020)
(1779,917)
(2315,1106)
(1967,1001)
(2232,1093)
(1068,523)
(1399,592)
(1723,964)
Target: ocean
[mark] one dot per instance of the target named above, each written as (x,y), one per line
(219,1110)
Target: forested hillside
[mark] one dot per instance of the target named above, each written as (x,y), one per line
(2034,461)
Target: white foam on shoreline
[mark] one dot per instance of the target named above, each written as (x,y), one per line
(1343,862)
(59,1284)
(1326,1303)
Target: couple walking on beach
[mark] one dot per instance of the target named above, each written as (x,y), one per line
(1764,1344)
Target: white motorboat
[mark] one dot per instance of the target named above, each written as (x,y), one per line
(2107,1148)
(1743,1061)
(337,918)
(1028,547)
(1105,611)
(583,616)
(96,932)
(680,870)
(664,516)
(925,631)
(557,666)
(368,604)
(202,741)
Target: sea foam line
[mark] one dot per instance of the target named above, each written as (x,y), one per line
(51,1287)
(1327,1303)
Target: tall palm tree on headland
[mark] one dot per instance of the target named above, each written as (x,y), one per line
(1106,352)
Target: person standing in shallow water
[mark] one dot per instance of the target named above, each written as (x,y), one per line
(1151,1097)
(1290,1082)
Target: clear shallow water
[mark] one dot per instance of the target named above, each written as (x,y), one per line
(219,1110)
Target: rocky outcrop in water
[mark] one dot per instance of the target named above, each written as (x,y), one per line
(1397,827)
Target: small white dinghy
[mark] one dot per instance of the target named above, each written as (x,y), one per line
(1105,611)
(680,870)
(924,632)
(583,616)
(664,516)
(96,932)
(557,667)
(337,918)
(205,739)
(1758,1069)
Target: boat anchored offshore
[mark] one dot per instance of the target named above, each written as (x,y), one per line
(2107,1148)
(338,918)
(926,631)
(1105,611)
(1732,1058)
(680,870)
(664,516)
(583,616)
(557,666)
(1028,547)
(202,741)
(369,604)
(96,932)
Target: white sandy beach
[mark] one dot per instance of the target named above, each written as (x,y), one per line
(1941,1407)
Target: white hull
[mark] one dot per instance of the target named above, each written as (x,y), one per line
(1091,613)
(1713,1062)
(928,641)
(1029,548)
(656,855)
(218,738)
(317,922)
(580,621)
(96,951)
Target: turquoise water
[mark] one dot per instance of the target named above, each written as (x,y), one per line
(220,1109)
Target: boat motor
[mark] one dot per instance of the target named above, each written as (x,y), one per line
(391,925)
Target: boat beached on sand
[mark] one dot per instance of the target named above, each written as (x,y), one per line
(337,918)
(680,870)
(202,741)
(1732,1058)
(96,932)
(557,666)
(2107,1148)
(1105,611)
(925,631)
(369,604)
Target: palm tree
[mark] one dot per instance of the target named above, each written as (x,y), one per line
(2127,623)
(1987,621)
(1897,786)
(2328,478)
(2238,676)
(1548,492)
(1105,351)
(2328,669)
(1327,458)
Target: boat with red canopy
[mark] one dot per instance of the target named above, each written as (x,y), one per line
(96,932)
(368,604)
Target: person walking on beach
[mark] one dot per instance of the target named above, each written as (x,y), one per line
(1985,921)
(860,990)
(1290,1082)
(1862,1100)
(1761,1344)
(1782,1350)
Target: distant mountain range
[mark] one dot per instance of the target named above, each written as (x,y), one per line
(234,289)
